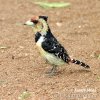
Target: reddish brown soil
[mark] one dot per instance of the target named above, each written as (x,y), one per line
(21,67)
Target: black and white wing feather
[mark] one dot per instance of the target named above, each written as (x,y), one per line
(52,46)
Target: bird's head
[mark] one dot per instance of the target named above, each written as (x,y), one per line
(37,22)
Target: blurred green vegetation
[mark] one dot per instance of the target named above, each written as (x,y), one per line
(24,95)
(53,4)
(46,4)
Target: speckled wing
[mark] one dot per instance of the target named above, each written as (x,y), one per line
(51,45)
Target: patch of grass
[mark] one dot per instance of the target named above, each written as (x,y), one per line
(2,82)
(24,95)
(96,54)
(4,47)
(40,0)
(53,4)
(98,77)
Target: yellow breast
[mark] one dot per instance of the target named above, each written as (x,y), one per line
(50,57)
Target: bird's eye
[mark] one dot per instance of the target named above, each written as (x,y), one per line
(34,21)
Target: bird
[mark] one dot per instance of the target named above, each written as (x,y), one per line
(49,47)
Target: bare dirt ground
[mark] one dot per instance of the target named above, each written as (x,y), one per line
(21,67)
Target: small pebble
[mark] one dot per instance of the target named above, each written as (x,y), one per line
(58,24)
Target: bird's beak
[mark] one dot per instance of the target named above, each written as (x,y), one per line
(29,23)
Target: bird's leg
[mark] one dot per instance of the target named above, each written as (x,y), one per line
(52,71)
(46,61)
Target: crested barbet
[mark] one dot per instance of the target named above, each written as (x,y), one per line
(49,47)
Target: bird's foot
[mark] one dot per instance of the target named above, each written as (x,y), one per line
(53,71)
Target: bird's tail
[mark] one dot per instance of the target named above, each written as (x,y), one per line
(79,63)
